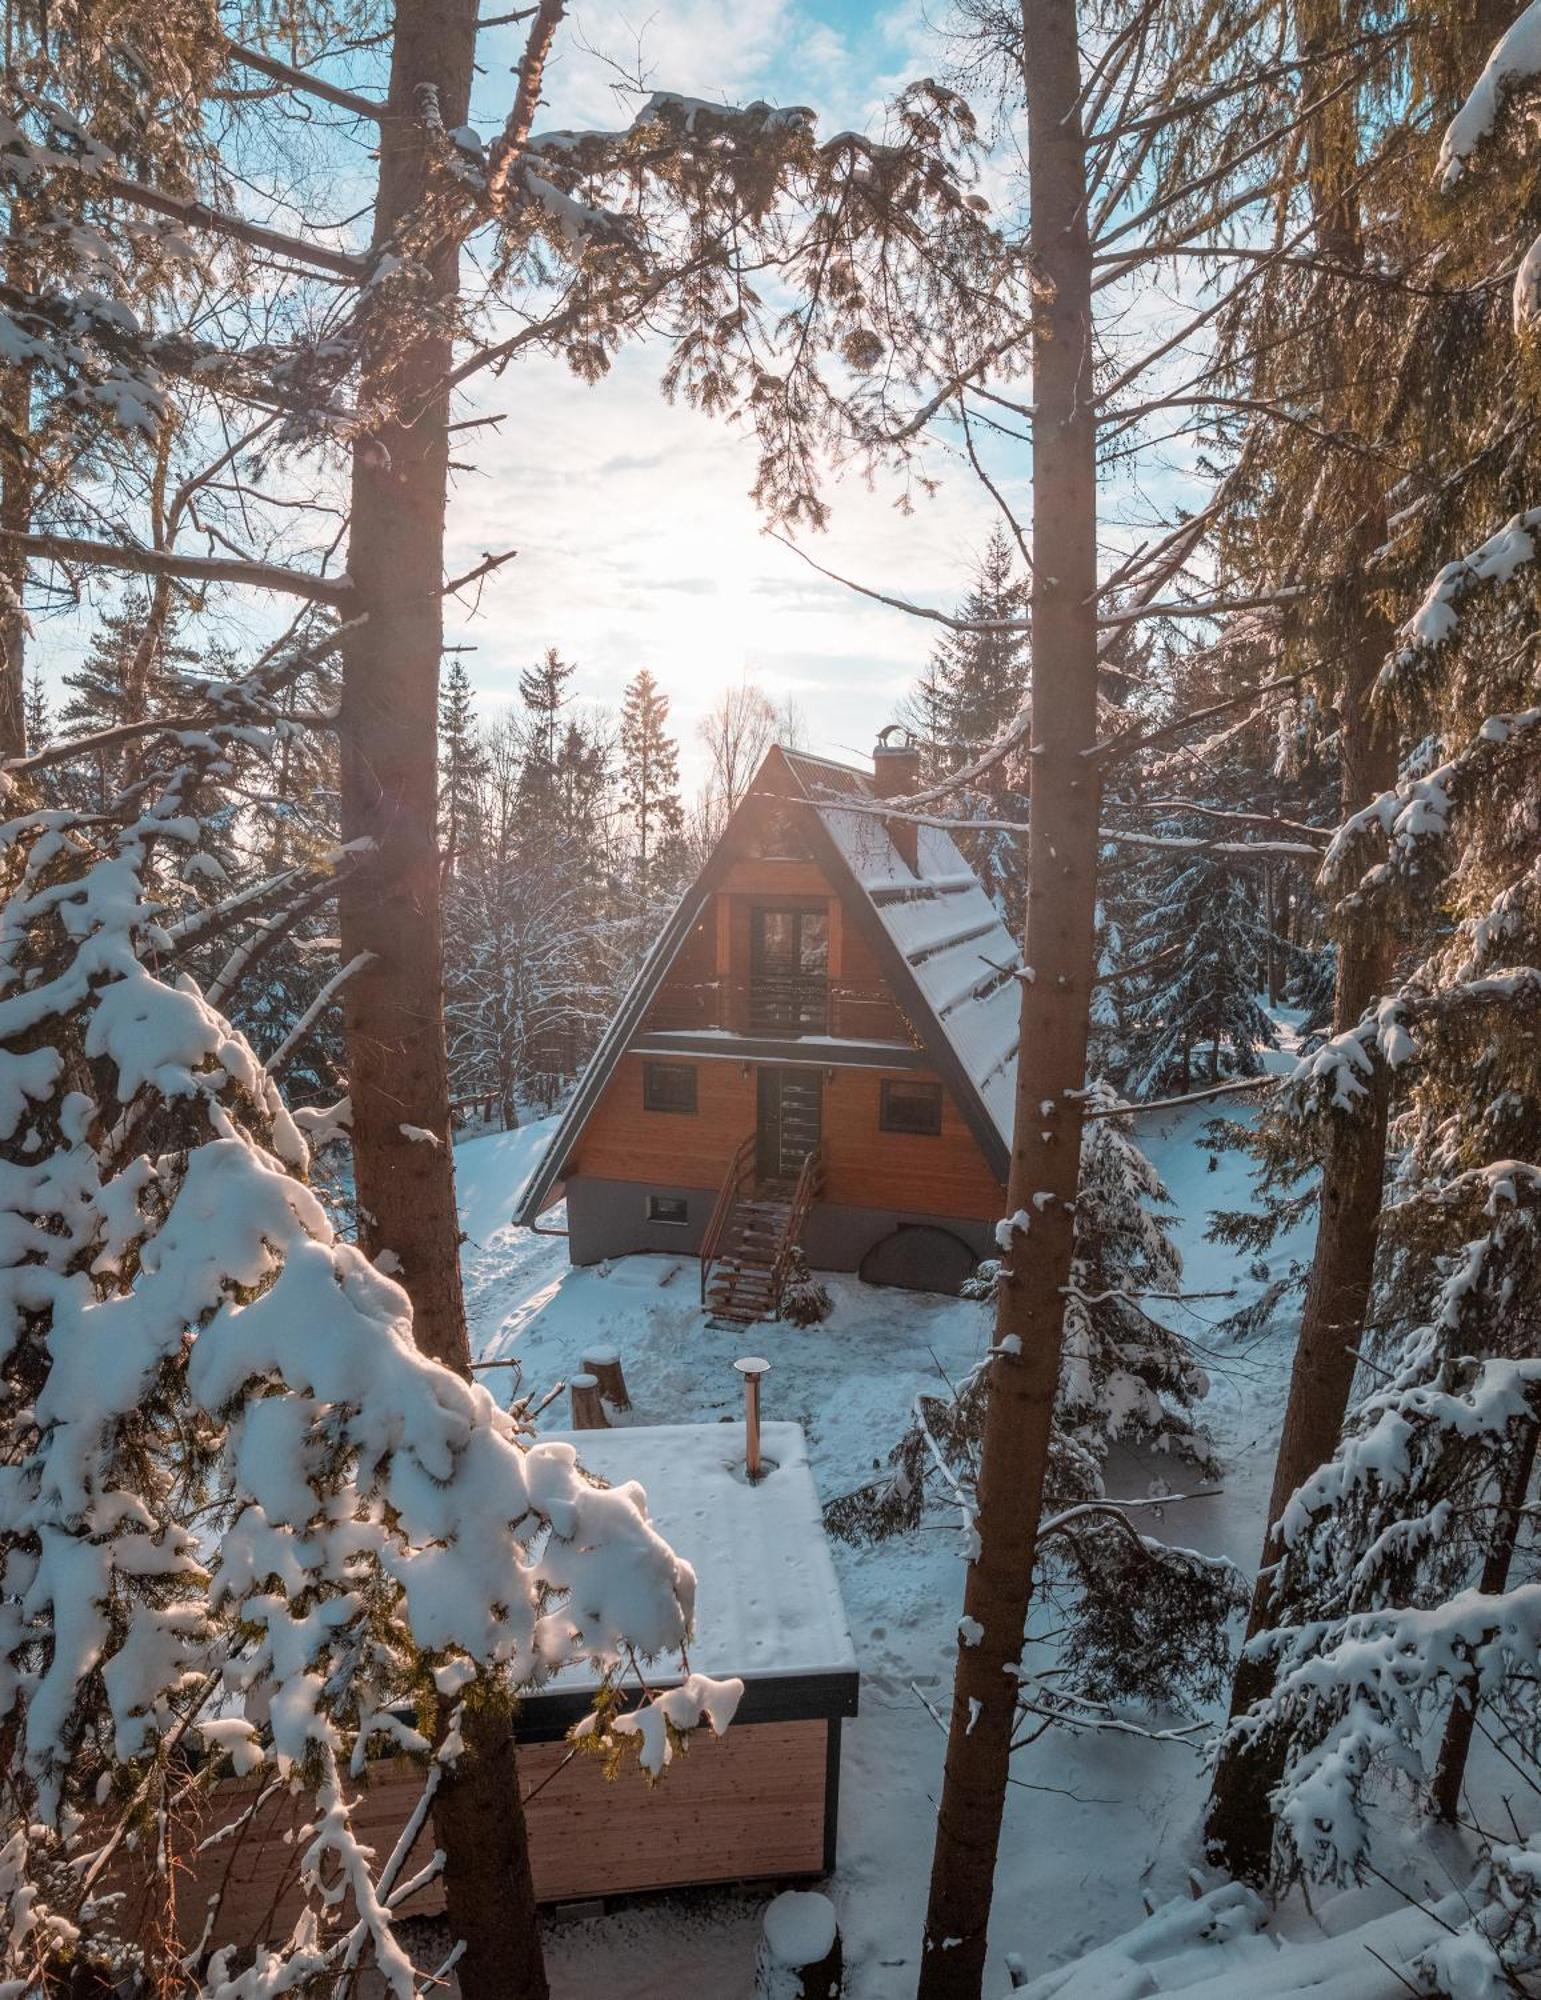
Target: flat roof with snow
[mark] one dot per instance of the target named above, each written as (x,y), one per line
(768,1604)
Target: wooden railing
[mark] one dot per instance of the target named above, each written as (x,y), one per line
(792,1003)
(739,1178)
(857,1009)
(810,1184)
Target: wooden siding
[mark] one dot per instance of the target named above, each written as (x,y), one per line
(708,987)
(746,1807)
(865,1167)
(624,1142)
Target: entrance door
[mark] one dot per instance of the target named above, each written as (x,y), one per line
(790,1122)
(788,971)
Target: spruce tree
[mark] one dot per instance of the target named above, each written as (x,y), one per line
(970,691)
(461,767)
(650,779)
(1201,1019)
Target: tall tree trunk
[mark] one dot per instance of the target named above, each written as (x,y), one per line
(1056,996)
(393,1014)
(15,519)
(1239,1826)
(1450,1772)
(16,495)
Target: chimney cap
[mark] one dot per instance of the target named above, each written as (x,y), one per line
(906,746)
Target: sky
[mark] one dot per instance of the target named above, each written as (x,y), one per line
(638,543)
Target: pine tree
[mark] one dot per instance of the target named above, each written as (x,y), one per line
(975,680)
(128,675)
(544,691)
(264,1394)
(650,778)
(39,715)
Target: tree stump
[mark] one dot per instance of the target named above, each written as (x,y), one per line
(588,1407)
(800,1956)
(604,1364)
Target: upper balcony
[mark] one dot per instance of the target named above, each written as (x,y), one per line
(778,1007)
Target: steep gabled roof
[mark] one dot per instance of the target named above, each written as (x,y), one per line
(939,941)
(958,956)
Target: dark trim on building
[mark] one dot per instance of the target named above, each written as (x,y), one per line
(546,1718)
(612,1043)
(914,1005)
(804,1052)
(831,1793)
(608,1218)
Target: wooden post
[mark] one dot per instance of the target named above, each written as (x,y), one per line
(588,1406)
(800,1956)
(604,1364)
(752,1368)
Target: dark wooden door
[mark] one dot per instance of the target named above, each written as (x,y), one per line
(791,1106)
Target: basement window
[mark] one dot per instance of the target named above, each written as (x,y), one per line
(667,1208)
(910,1106)
(668,1087)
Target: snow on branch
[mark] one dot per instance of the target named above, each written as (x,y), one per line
(1512,67)
(1437,619)
(231,1479)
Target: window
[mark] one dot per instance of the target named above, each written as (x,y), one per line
(667,1208)
(910,1106)
(668,1087)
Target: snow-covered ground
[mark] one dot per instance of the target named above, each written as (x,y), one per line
(1094,1822)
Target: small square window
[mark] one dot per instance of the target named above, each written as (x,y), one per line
(667,1208)
(668,1086)
(911,1106)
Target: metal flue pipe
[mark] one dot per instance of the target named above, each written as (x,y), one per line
(751,1367)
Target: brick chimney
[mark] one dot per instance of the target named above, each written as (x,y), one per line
(895,773)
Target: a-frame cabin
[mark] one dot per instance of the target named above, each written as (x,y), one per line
(819,1049)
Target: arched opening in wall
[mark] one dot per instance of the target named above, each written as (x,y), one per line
(919,1257)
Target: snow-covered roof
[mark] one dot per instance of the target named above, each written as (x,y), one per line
(767,1600)
(951,937)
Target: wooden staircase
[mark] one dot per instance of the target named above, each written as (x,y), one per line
(756,1226)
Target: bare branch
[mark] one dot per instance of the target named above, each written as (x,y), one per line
(315,1010)
(1188,1097)
(191,569)
(1214,607)
(509,146)
(299,79)
(198,215)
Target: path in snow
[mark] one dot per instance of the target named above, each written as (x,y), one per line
(1107,1817)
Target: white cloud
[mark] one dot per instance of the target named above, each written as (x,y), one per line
(639,546)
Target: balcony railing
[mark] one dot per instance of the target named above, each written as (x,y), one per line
(788,1004)
(850,1009)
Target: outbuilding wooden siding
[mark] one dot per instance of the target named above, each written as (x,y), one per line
(748,1806)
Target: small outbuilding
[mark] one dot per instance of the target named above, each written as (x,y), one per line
(760,1803)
